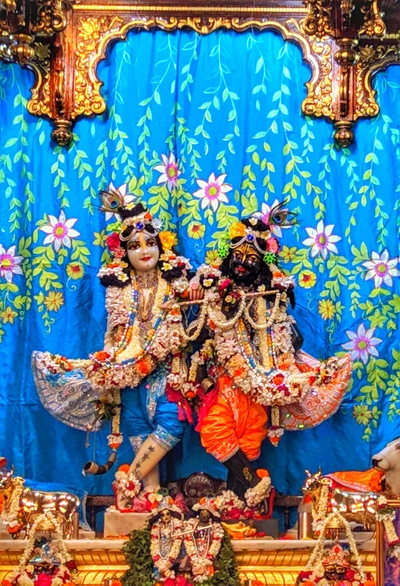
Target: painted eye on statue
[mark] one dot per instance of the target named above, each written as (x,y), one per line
(150,242)
(252,259)
(237,256)
(134,245)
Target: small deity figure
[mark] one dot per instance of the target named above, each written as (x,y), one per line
(335,569)
(166,538)
(251,361)
(143,343)
(203,537)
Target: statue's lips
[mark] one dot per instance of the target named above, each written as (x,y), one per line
(241,269)
(145,258)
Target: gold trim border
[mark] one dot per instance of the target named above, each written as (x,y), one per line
(91,60)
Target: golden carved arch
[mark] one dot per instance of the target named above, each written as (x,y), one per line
(345,42)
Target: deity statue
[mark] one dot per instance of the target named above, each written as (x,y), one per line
(143,343)
(203,537)
(166,536)
(251,361)
(334,568)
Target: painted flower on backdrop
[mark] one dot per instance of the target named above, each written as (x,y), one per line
(127,198)
(54,300)
(307,279)
(196,230)
(169,171)
(381,269)
(59,231)
(8,315)
(9,263)
(326,309)
(212,192)
(321,240)
(362,343)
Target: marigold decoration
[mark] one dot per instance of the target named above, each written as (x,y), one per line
(168,240)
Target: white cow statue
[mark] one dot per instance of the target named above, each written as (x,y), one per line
(388,460)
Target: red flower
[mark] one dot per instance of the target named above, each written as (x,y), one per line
(43,580)
(113,241)
(225,284)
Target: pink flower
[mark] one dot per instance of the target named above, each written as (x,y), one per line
(9,263)
(381,269)
(213,191)
(272,245)
(362,344)
(321,240)
(169,171)
(59,231)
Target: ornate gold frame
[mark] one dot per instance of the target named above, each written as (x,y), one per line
(345,43)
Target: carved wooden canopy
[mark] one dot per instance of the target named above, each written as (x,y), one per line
(344,41)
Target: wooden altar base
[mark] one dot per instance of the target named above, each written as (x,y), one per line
(273,562)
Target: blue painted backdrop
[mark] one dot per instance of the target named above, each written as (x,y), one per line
(227,107)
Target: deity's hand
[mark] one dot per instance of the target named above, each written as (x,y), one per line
(196,291)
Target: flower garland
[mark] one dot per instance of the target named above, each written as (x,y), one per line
(314,563)
(319,513)
(126,487)
(164,563)
(386,515)
(23,575)
(254,496)
(10,513)
(202,565)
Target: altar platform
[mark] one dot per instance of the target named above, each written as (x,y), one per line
(272,562)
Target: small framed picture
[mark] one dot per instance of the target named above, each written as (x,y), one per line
(388,543)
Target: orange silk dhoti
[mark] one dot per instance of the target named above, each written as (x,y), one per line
(233,422)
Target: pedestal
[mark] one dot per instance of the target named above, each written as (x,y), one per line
(118,524)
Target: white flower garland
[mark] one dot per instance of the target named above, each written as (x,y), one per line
(201,564)
(315,561)
(254,496)
(128,485)
(20,575)
(163,564)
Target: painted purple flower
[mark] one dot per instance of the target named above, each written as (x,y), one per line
(59,231)
(362,344)
(381,269)
(213,191)
(9,263)
(321,240)
(169,171)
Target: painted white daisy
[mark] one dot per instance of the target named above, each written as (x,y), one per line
(59,231)
(213,191)
(321,240)
(9,263)
(362,343)
(169,171)
(381,269)
(126,198)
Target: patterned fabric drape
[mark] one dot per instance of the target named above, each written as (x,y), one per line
(224,110)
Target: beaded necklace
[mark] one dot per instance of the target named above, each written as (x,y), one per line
(132,325)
